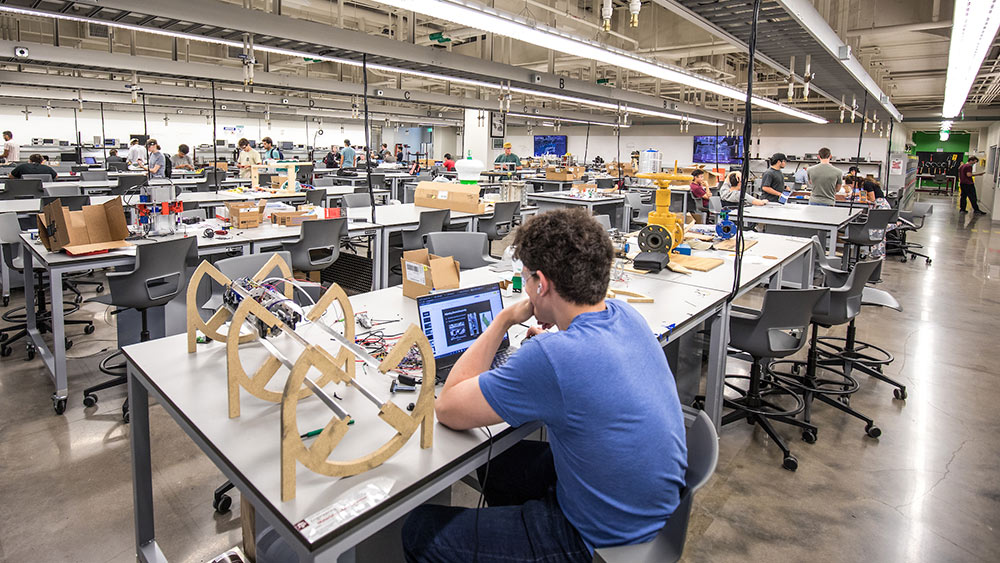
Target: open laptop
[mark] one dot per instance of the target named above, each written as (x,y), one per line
(452,320)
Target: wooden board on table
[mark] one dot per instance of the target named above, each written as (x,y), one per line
(730,244)
(697,263)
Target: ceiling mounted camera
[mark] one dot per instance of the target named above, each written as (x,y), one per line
(21,52)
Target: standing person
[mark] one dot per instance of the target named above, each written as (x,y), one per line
(967,186)
(802,176)
(399,154)
(825,180)
(11,150)
(35,165)
(773,181)
(332,158)
(449,163)
(157,166)
(383,151)
(271,152)
(348,156)
(730,190)
(247,158)
(557,501)
(113,156)
(137,154)
(508,160)
(698,188)
(181,160)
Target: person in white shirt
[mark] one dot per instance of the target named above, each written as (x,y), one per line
(730,191)
(802,176)
(247,158)
(137,154)
(11,150)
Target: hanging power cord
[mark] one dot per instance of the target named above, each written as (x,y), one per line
(745,170)
(368,147)
(482,492)
(215,143)
(586,146)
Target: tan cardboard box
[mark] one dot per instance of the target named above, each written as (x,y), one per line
(291,218)
(443,195)
(424,272)
(95,228)
(245,214)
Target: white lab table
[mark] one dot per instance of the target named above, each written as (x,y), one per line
(613,205)
(804,220)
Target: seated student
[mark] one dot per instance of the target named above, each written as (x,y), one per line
(332,158)
(449,163)
(33,166)
(613,468)
(113,156)
(730,191)
(698,187)
(181,160)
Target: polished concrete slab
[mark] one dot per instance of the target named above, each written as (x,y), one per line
(927,490)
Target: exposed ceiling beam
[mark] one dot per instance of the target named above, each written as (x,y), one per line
(902,28)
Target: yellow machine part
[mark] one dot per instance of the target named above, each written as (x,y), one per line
(662,215)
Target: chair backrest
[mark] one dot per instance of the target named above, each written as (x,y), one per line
(248,264)
(940,178)
(318,245)
(470,250)
(604,221)
(42,177)
(834,276)
(634,200)
(94,175)
(605,183)
(430,222)
(845,302)
(316,197)
(783,324)
(264,179)
(10,229)
(714,204)
(323,182)
(304,173)
(159,274)
(378,181)
(126,182)
(118,166)
(22,189)
(356,200)
(62,191)
(872,231)
(73,202)
(497,226)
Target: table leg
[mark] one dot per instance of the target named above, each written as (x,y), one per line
(58,335)
(142,472)
(806,278)
(377,260)
(831,242)
(715,384)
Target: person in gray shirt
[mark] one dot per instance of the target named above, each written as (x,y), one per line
(825,180)
(157,164)
(772,182)
(181,160)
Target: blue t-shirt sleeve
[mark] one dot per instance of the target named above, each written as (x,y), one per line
(525,388)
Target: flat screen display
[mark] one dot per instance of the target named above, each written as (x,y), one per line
(709,149)
(550,144)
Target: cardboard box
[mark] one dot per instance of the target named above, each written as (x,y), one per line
(221,165)
(424,272)
(291,218)
(244,214)
(564,174)
(95,228)
(445,195)
(627,169)
(711,177)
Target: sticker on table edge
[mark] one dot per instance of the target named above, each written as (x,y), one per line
(348,505)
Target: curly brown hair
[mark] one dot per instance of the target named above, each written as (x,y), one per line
(572,249)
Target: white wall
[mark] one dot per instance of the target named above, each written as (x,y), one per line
(476,138)
(791,139)
(986,188)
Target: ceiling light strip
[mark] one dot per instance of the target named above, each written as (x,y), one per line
(975,26)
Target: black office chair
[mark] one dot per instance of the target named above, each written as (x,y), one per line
(318,246)
(22,189)
(304,174)
(128,183)
(910,221)
(777,330)
(500,224)
(835,386)
(378,181)
(10,239)
(264,180)
(158,276)
(117,166)
(868,232)
(73,202)
(430,222)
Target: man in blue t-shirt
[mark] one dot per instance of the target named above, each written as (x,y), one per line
(613,468)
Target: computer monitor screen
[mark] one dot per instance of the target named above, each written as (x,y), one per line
(287,145)
(89,160)
(111,142)
(452,320)
(220,142)
(550,144)
(712,149)
(67,157)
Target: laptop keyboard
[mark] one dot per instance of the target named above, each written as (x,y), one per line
(501,357)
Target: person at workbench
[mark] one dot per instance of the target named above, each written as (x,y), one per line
(773,181)
(596,482)
(698,188)
(729,193)
(246,158)
(508,160)
(35,165)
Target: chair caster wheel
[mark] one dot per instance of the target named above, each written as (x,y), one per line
(790,463)
(6,300)
(100,288)
(928,261)
(809,436)
(78,299)
(222,504)
(903,259)
(89,329)
(699,404)
(899,394)
(89,400)
(4,336)
(845,400)
(873,431)
(69,343)
(5,350)
(125,414)
(59,405)
(31,353)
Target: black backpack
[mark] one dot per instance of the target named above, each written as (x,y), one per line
(168,167)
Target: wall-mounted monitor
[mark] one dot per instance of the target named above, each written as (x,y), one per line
(287,145)
(709,149)
(550,144)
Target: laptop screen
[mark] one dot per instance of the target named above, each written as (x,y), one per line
(89,160)
(452,320)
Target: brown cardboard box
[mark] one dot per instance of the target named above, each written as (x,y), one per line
(95,228)
(424,272)
(444,195)
(245,214)
(627,169)
(564,174)
(291,218)
(711,177)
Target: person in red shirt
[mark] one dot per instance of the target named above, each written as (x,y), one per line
(698,189)
(967,186)
(449,163)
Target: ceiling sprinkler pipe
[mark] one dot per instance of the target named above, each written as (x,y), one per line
(606,12)
(633,9)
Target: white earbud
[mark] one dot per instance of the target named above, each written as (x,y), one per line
(539,290)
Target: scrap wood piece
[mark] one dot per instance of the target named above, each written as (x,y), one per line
(730,244)
(632,297)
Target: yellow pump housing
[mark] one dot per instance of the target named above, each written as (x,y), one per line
(663,231)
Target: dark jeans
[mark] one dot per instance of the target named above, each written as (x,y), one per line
(968,191)
(523,521)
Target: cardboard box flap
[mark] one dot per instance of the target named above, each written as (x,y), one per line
(114,214)
(424,272)
(97,227)
(81,249)
(445,272)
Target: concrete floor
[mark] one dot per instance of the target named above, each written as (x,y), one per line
(927,490)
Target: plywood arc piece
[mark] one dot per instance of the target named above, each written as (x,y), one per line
(294,449)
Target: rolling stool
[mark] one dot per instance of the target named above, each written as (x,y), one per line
(842,305)
(777,330)
(159,275)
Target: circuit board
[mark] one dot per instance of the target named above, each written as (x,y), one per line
(268,297)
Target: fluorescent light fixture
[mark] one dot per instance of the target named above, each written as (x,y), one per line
(349,62)
(973,29)
(515,27)
(946,125)
(564,119)
(945,135)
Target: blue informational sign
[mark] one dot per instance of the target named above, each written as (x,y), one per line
(550,144)
(709,149)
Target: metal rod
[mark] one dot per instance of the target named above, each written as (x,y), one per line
(104,144)
(316,389)
(215,144)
